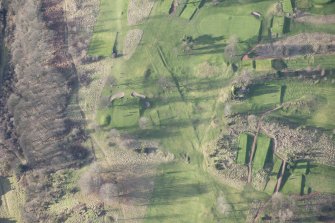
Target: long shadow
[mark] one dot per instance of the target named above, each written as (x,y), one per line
(211,47)
(227,3)
(269,155)
(259,89)
(207,39)
(7,220)
(4,185)
(179,191)
(219,51)
(282,93)
(250,139)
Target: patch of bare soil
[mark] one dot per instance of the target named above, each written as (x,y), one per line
(301,44)
(132,40)
(139,10)
(316,20)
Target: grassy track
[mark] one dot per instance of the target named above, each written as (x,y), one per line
(106,28)
(263,145)
(270,186)
(245,142)
(261,97)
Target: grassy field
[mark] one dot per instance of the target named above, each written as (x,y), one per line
(190,196)
(270,186)
(264,65)
(294,179)
(165,6)
(260,98)
(314,61)
(321,114)
(183,83)
(243,26)
(189,10)
(183,196)
(262,150)
(319,97)
(109,22)
(310,28)
(245,143)
(277,26)
(183,88)
(304,178)
(321,178)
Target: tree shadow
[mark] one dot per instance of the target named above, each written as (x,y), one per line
(5,186)
(207,39)
(7,220)
(260,89)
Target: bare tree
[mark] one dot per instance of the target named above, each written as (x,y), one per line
(230,51)
(109,192)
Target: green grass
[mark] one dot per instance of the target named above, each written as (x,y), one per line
(165,6)
(261,97)
(186,194)
(304,178)
(183,196)
(320,96)
(277,26)
(297,27)
(264,65)
(243,27)
(262,149)
(270,186)
(189,10)
(321,178)
(245,143)
(321,2)
(181,115)
(287,6)
(107,25)
(322,115)
(293,180)
(125,113)
(316,7)
(303,4)
(314,61)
